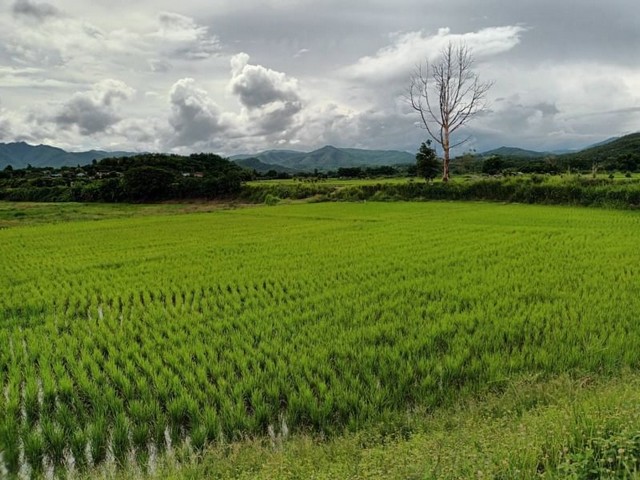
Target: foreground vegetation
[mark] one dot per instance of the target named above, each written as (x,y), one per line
(131,337)
(565,428)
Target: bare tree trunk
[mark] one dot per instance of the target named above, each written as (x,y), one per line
(445,160)
(445,168)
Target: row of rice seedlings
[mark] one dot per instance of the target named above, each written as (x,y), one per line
(245,356)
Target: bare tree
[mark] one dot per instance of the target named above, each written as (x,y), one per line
(446,94)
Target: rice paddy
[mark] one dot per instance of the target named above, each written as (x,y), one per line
(125,337)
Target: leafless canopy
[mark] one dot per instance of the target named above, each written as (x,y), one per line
(446,94)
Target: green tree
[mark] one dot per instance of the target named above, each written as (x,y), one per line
(146,183)
(427,163)
(493,165)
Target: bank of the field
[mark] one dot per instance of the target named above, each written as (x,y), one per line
(14,214)
(534,189)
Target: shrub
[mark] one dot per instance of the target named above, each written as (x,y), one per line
(271,200)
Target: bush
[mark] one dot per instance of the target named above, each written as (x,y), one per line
(271,200)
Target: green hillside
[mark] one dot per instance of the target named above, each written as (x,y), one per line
(621,154)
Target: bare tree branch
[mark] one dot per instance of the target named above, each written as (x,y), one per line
(447,94)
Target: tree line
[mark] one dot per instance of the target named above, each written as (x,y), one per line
(141,178)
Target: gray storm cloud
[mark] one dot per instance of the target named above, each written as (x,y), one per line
(319,72)
(194,116)
(94,111)
(5,125)
(37,11)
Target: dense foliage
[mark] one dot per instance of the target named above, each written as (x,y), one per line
(141,178)
(128,336)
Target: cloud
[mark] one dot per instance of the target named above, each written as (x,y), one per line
(271,99)
(301,52)
(257,86)
(64,40)
(195,117)
(35,11)
(159,66)
(145,133)
(93,111)
(5,125)
(181,37)
(324,75)
(408,49)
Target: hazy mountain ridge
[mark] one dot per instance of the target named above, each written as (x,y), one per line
(21,154)
(525,153)
(514,152)
(253,163)
(330,158)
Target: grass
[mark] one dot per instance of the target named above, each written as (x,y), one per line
(32,213)
(378,330)
(336,182)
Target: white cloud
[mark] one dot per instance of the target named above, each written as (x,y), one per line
(301,52)
(408,49)
(257,86)
(182,37)
(61,40)
(270,99)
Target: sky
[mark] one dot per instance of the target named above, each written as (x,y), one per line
(244,76)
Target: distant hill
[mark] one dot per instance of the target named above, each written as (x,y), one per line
(602,143)
(252,163)
(622,153)
(271,157)
(514,152)
(21,154)
(331,158)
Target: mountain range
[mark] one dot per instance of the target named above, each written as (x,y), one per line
(21,154)
(514,152)
(327,158)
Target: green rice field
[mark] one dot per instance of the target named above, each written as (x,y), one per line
(125,338)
